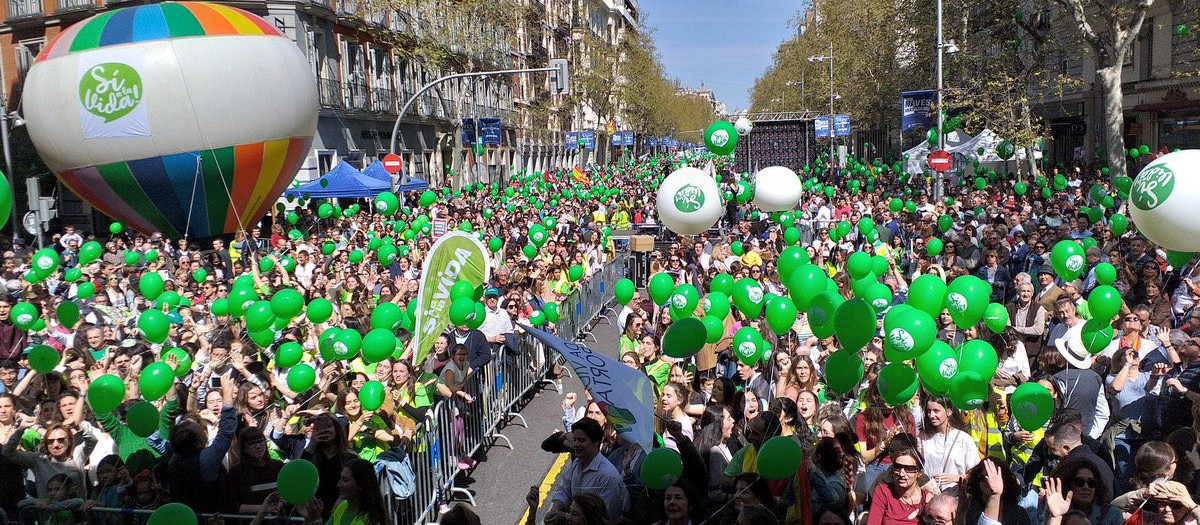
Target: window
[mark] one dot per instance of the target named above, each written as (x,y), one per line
(26,52)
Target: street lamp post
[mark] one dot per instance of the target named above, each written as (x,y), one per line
(937,187)
(829,58)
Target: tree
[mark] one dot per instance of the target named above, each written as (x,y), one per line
(1109,28)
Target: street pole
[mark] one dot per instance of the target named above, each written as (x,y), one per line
(16,225)
(937,187)
(832,134)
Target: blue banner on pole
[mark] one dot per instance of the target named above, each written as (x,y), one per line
(841,125)
(821,127)
(572,141)
(468,131)
(589,139)
(628,139)
(916,109)
(489,131)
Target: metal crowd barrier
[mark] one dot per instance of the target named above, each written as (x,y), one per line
(454,429)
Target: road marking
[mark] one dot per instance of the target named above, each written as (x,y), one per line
(547,483)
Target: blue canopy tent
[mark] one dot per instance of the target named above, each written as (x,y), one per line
(343,181)
(414,184)
(375,170)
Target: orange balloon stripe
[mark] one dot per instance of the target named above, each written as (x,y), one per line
(239,22)
(212,21)
(247,158)
(297,152)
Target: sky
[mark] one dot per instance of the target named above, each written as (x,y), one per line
(726,44)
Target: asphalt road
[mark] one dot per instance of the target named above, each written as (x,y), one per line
(501,482)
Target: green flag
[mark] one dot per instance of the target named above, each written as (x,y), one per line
(455,256)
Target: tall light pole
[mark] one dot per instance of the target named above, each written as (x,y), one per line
(16,119)
(937,187)
(829,58)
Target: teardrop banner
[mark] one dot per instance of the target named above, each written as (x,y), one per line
(455,256)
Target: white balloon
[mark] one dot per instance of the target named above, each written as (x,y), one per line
(743,125)
(688,201)
(1164,199)
(777,189)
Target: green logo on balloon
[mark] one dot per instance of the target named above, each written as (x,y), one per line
(110,90)
(1075,263)
(956,303)
(689,198)
(948,368)
(818,316)
(1026,410)
(747,349)
(678,301)
(45,263)
(707,304)
(1152,186)
(719,138)
(755,294)
(24,319)
(381,207)
(901,340)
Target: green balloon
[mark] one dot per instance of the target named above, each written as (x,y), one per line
(154,326)
(748,297)
(289,355)
(779,458)
(910,332)
(716,305)
(624,290)
(714,329)
(821,312)
(530,251)
(575,273)
(199,275)
(945,222)
(967,299)
(936,366)
(806,282)
(72,275)
(386,316)
(142,419)
(928,294)
(301,378)
(427,199)
(683,301)
(43,358)
(995,317)
(878,295)
(386,203)
(791,258)
(1096,335)
(854,324)
(723,283)
(843,371)
(748,345)
(156,380)
(1106,273)
(661,287)
(105,393)
(173,514)
(371,395)
(325,210)
(44,262)
(89,252)
(781,315)
(151,285)
(461,310)
(661,468)
(116,228)
(319,310)
(1104,302)
(897,383)
(287,303)
(978,356)
(1032,405)
(495,244)
(462,288)
(297,481)
(968,390)
(684,338)
(550,310)
(858,264)
(379,344)
(259,316)
(67,314)
(1068,260)
(736,248)
(1118,224)
(220,307)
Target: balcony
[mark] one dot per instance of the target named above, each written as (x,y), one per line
(75,6)
(330,93)
(383,100)
(25,9)
(356,95)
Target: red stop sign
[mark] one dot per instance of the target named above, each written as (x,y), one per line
(392,163)
(939,160)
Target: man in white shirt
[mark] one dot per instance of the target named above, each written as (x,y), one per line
(590,472)
(498,324)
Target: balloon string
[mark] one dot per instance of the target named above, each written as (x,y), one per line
(192,205)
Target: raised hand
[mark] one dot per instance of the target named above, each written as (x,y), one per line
(1057,504)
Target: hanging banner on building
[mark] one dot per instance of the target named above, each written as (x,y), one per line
(589,139)
(489,131)
(468,131)
(455,256)
(821,127)
(841,125)
(628,138)
(916,109)
(623,393)
(572,140)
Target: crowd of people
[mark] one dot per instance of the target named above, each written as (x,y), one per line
(1123,439)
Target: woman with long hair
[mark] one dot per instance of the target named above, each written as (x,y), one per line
(716,429)
(875,426)
(949,452)
(806,409)
(1155,461)
(359,501)
(804,377)
(674,396)
(327,450)
(1081,481)
(255,468)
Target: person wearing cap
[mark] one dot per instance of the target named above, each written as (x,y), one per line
(497,327)
(1048,292)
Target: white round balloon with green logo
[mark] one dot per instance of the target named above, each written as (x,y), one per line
(743,126)
(688,201)
(1164,200)
(780,186)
